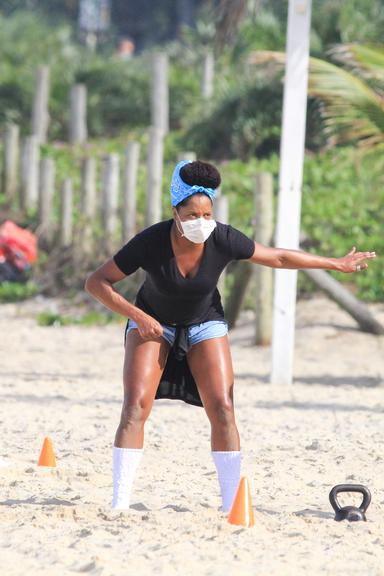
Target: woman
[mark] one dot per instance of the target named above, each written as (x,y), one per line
(176,336)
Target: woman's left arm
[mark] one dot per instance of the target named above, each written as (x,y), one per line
(298,259)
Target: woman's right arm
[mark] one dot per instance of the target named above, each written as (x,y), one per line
(100,285)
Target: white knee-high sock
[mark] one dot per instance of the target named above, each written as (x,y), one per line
(228,466)
(125,464)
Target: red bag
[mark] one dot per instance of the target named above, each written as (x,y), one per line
(17,245)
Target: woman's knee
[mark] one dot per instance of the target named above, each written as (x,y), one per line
(221,412)
(134,413)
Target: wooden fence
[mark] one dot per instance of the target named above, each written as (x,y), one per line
(98,219)
(99,214)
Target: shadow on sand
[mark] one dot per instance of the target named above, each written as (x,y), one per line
(357,381)
(38,502)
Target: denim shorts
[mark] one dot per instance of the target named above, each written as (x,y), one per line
(196,332)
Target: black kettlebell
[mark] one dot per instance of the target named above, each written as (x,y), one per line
(350,513)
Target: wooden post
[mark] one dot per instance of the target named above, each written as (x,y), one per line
(110,182)
(263,274)
(290,181)
(191,156)
(30,159)
(346,300)
(235,299)
(245,270)
(10,161)
(78,114)
(87,202)
(208,75)
(88,188)
(66,213)
(220,208)
(40,115)
(46,192)
(155,175)
(160,92)
(131,165)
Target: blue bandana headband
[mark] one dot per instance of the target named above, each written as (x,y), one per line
(180,190)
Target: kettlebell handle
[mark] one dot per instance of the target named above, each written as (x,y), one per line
(350,488)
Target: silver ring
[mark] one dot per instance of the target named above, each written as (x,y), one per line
(358,268)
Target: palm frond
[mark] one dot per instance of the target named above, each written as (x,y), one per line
(367,57)
(352,110)
(364,59)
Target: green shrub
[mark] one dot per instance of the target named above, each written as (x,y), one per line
(243,121)
(342,207)
(92,318)
(15,291)
(18,64)
(118,95)
(118,91)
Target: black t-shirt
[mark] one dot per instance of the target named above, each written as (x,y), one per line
(166,294)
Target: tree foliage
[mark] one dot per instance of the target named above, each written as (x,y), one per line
(351,94)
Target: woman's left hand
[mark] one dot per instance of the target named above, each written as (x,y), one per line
(355,261)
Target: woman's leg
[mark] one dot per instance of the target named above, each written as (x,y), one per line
(143,366)
(211,366)
(144,363)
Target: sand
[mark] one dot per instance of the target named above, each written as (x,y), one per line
(328,428)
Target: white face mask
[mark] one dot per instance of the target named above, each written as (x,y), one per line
(198,230)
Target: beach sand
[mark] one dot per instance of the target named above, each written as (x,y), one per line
(297,442)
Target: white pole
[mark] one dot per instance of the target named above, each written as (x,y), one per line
(208,75)
(160,92)
(290,180)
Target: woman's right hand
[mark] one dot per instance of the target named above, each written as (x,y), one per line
(148,327)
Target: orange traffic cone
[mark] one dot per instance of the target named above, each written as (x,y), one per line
(47,457)
(242,512)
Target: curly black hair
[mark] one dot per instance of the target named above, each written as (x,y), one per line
(200,174)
